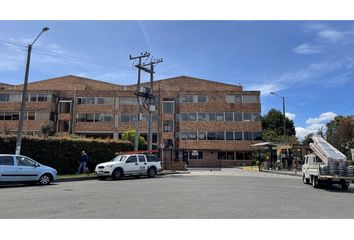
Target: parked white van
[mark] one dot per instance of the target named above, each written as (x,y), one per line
(18,168)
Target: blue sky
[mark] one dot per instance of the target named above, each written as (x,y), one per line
(310,63)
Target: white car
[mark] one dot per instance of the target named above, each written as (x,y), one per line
(131,164)
(18,168)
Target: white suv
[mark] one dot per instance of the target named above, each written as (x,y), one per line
(18,168)
(132,164)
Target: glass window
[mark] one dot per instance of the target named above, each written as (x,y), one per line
(186,99)
(238,136)
(192,116)
(4,97)
(202,117)
(7,161)
(250,99)
(80,117)
(212,116)
(2,116)
(230,155)
(193,155)
(222,155)
(201,136)
(229,135)
(128,100)
(24,161)
(257,136)
(99,100)
(105,117)
(247,116)
(248,155)
(8,116)
(31,116)
(90,117)
(124,117)
(229,116)
(211,136)
(33,97)
(240,156)
(184,135)
(256,117)
(202,98)
(141,158)
(220,116)
(15,98)
(193,135)
(65,107)
(15,116)
(248,135)
(42,97)
(131,159)
(230,98)
(184,116)
(168,107)
(220,136)
(168,125)
(238,116)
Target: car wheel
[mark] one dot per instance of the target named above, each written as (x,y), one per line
(344,185)
(152,172)
(304,179)
(117,174)
(45,179)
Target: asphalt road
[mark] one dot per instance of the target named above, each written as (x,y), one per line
(212,195)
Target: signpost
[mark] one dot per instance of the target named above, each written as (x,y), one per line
(352,151)
(162,145)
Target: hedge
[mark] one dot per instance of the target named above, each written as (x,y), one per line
(64,154)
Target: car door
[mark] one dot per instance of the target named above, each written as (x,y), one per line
(131,165)
(8,169)
(142,164)
(27,169)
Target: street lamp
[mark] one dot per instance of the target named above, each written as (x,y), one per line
(24,94)
(284,126)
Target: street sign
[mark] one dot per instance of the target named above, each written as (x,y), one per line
(162,145)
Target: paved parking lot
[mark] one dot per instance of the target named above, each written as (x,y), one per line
(201,194)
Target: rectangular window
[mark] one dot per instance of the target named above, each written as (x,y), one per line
(229,116)
(221,155)
(257,136)
(193,155)
(229,136)
(15,116)
(105,117)
(220,116)
(247,116)
(184,116)
(233,98)
(127,100)
(90,117)
(168,125)
(6,161)
(211,135)
(212,116)
(238,116)
(2,116)
(4,97)
(168,107)
(8,116)
(202,98)
(238,136)
(42,116)
(42,97)
(192,116)
(220,136)
(31,115)
(186,99)
(124,117)
(33,97)
(248,135)
(250,98)
(80,117)
(184,135)
(192,135)
(230,155)
(240,156)
(99,100)
(202,117)
(65,107)
(201,136)
(15,98)
(256,117)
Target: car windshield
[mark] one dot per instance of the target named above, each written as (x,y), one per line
(120,158)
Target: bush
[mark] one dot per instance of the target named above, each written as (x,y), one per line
(64,154)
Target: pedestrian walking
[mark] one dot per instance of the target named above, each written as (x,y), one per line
(83,162)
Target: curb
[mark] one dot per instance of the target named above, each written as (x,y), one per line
(282,173)
(95,177)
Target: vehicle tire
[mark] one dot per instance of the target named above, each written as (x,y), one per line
(45,179)
(314,183)
(151,172)
(117,174)
(304,179)
(344,185)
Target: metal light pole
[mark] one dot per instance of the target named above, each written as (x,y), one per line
(24,94)
(284,125)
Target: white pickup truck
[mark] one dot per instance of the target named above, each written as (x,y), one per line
(129,165)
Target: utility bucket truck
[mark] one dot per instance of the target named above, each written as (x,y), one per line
(326,165)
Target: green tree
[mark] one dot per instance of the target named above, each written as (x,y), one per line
(46,129)
(272,124)
(340,133)
(130,135)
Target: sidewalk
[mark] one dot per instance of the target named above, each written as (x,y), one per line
(284,172)
(93,176)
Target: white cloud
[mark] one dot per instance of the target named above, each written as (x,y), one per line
(266,88)
(291,116)
(331,35)
(306,49)
(315,124)
(324,117)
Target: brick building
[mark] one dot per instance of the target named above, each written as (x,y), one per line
(214,122)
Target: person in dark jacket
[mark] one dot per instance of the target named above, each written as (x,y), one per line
(83,162)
